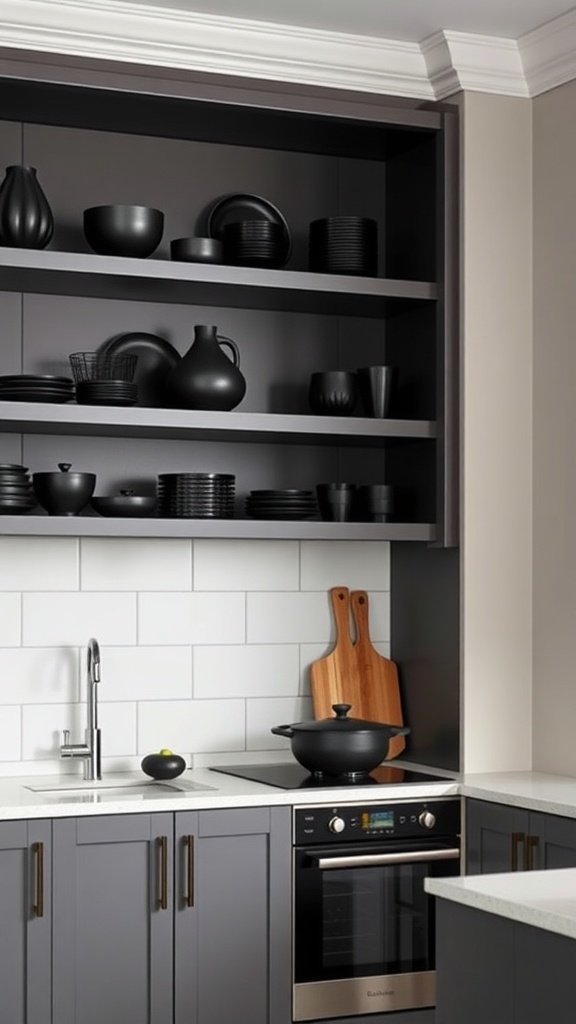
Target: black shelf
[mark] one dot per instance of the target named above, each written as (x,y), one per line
(71,273)
(180,424)
(240,529)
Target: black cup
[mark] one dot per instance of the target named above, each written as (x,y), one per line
(375,502)
(375,387)
(333,393)
(336,501)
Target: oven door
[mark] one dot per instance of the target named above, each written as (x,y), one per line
(364,927)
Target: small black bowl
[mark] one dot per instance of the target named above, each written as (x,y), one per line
(333,393)
(163,766)
(126,505)
(123,230)
(196,250)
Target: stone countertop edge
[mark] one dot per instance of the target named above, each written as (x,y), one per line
(541,899)
(18,801)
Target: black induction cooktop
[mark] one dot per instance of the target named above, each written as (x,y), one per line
(294,776)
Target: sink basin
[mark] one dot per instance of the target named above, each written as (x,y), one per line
(111,788)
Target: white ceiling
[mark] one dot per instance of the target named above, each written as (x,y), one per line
(407,20)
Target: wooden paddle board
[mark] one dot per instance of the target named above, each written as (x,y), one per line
(333,678)
(376,677)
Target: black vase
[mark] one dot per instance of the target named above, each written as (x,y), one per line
(205,378)
(26,219)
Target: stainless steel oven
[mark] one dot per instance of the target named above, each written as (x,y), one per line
(363,925)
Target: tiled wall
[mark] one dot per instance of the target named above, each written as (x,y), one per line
(205,644)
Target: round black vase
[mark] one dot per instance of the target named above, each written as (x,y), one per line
(26,219)
(205,378)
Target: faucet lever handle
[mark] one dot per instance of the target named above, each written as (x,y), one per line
(66,737)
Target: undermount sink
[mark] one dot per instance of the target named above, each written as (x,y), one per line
(116,787)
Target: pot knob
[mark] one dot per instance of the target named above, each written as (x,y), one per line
(427,819)
(336,825)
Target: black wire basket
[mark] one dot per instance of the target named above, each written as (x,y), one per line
(94,366)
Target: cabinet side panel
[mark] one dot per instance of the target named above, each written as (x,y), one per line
(545,967)
(280,937)
(425,623)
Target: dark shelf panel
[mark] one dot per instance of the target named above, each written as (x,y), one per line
(180,424)
(242,529)
(70,273)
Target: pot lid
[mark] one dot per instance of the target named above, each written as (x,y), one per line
(340,723)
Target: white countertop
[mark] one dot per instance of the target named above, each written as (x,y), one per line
(543,899)
(535,791)
(200,789)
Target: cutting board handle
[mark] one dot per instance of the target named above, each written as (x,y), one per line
(360,611)
(340,597)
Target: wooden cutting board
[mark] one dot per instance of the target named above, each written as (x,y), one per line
(378,676)
(355,673)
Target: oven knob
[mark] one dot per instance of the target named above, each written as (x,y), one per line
(336,825)
(426,819)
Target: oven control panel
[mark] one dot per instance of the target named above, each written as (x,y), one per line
(365,822)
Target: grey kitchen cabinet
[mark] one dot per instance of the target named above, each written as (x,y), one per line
(25,922)
(178,146)
(504,838)
(162,917)
(491,969)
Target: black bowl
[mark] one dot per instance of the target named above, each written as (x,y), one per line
(333,393)
(126,506)
(64,493)
(196,250)
(123,230)
(163,766)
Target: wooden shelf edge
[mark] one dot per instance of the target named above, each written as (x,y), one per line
(242,529)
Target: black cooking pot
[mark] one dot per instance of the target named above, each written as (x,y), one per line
(340,745)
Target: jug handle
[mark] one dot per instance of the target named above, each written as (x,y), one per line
(228,343)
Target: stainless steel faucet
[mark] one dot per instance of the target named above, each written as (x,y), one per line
(90,750)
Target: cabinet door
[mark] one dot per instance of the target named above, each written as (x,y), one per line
(25,922)
(232,934)
(495,837)
(113,918)
(552,840)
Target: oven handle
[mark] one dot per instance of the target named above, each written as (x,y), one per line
(366,860)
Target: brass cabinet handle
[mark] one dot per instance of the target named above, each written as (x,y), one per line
(532,844)
(189,897)
(162,842)
(518,840)
(38,905)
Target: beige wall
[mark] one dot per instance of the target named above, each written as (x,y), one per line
(555,430)
(497,429)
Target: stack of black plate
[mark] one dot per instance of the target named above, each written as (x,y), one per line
(196,495)
(281,504)
(254,243)
(107,392)
(36,387)
(16,494)
(344,245)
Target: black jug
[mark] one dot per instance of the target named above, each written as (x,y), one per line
(205,378)
(26,219)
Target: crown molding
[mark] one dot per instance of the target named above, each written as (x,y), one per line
(442,64)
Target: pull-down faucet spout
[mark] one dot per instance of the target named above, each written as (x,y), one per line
(90,751)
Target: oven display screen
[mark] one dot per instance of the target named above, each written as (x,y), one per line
(377,819)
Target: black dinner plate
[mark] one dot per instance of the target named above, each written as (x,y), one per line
(156,357)
(239,206)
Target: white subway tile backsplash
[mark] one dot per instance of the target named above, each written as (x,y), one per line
(246,671)
(287,618)
(359,565)
(10,627)
(57,619)
(246,565)
(193,725)
(10,733)
(38,675)
(118,723)
(262,715)
(135,564)
(145,673)
(199,618)
(38,563)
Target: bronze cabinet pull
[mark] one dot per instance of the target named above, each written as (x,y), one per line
(189,897)
(38,905)
(532,844)
(518,840)
(162,842)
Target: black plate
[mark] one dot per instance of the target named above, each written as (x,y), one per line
(41,378)
(238,206)
(156,357)
(34,396)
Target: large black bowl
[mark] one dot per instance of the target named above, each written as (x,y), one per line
(64,493)
(123,230)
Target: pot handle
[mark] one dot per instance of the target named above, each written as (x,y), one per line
(283,730)
(399,730)
(225,342)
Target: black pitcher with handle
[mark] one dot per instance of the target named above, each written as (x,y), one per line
(205,378)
